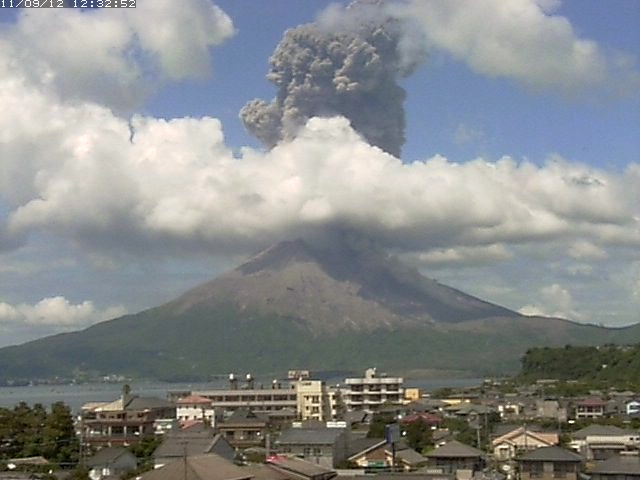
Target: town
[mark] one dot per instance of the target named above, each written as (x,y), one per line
(374,426)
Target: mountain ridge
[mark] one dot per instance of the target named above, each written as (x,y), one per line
(337,306)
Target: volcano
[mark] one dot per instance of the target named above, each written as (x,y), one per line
(340,306)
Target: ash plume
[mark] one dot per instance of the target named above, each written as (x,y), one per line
(347,63)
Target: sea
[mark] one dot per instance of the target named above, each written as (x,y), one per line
(76,395)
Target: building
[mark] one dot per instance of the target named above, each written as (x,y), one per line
(590,408)
(454,458)
(244,429)
(316,401)
(599,442)
(619,467)
(199,467)
(373,391)
(111,462)
(124,421)
(550,463)
(197,440)
(324,446)
(519,440)
(195,407)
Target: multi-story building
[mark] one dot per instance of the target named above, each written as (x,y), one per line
(124,421)
(373,391)
(316,401)
(195,407)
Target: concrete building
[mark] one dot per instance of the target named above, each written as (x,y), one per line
(373,391)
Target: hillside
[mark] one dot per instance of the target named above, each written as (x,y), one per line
(344,306)
(607,364)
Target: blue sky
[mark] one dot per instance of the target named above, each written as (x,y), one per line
(519,180)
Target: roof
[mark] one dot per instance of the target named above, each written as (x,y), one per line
(619,465)
(108,455)
(148,403)
(591,402)
(599,430)
(410,457)
(429,418)
(298,466)
(551,454)
(194,400)
(363,445)
(244,416)
(455,449)
(310,436)
(193,443)
(199,467)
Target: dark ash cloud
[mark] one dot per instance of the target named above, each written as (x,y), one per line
(348,63)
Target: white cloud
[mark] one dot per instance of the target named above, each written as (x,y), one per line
(554,301)
(56,312)
(518,39)
(584,250)
(115,57)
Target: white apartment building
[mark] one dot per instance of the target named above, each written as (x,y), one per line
(195,407)
(373,391)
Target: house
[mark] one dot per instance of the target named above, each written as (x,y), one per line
(456,458)
(549,463)
(292,468)
(244,429)
(124,421)
(619,467)
(599,442)
(323,446)
(111,462)
(376,453)
(520,439)
(592,407)
(632,407)
(195,407)
(199,467)
(193,441)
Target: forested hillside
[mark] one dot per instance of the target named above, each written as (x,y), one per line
(610,364)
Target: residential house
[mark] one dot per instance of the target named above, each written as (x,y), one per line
(591,407)
(244,429)
(111,462)
(373,391)
(124,421)
(195,407)
(521,439)
(618,467)
(549,463)
(325,446)
(197,440)
(549,408)
(282,467)
(599,442)
(199,467)
(632,408)
(456,458)
(374,453)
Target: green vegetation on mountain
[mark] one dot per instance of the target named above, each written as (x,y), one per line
(607,365)
(296,306)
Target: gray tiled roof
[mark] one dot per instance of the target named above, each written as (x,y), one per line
(107,455)
(200,467)
(595,429)
(309,436)
(551,454)
(455,449)
(619,465)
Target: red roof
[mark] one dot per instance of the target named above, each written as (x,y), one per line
(591,402)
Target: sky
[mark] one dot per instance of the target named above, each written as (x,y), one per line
(493,145)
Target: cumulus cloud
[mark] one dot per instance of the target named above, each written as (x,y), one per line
(54,314)
(555,301)
(519,39)
(113,56)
